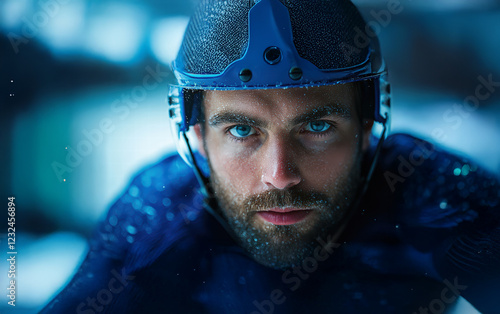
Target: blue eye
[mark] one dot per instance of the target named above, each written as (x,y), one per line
(317,126)
(242,131)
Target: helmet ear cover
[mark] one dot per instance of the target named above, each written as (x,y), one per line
(370,100)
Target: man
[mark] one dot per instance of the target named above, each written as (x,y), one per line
(288,210)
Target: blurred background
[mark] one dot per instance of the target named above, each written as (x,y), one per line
(83,85)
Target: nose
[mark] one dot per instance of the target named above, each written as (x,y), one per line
(279,168)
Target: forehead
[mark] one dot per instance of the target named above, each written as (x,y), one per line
(289,101)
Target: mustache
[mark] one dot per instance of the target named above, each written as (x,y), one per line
(286,198)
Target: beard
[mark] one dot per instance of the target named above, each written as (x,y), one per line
(284,246)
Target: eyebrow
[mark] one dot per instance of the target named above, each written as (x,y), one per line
(339,110)
(234,117)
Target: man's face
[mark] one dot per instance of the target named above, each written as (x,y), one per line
(285,165)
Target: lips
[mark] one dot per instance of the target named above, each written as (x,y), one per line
(284,216)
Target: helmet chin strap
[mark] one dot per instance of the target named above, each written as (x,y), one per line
(362,188)
(204,182)
(375,159)
(211,202)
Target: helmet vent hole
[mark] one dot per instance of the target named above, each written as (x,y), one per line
(272,55)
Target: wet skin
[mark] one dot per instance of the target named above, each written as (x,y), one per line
(284,164)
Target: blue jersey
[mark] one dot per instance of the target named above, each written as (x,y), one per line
(426,232)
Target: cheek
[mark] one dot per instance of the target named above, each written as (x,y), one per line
(235,170)
(325,167)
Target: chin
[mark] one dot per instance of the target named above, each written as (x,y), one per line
(279,247)
(283,256)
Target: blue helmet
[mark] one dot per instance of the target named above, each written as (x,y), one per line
(251,44)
